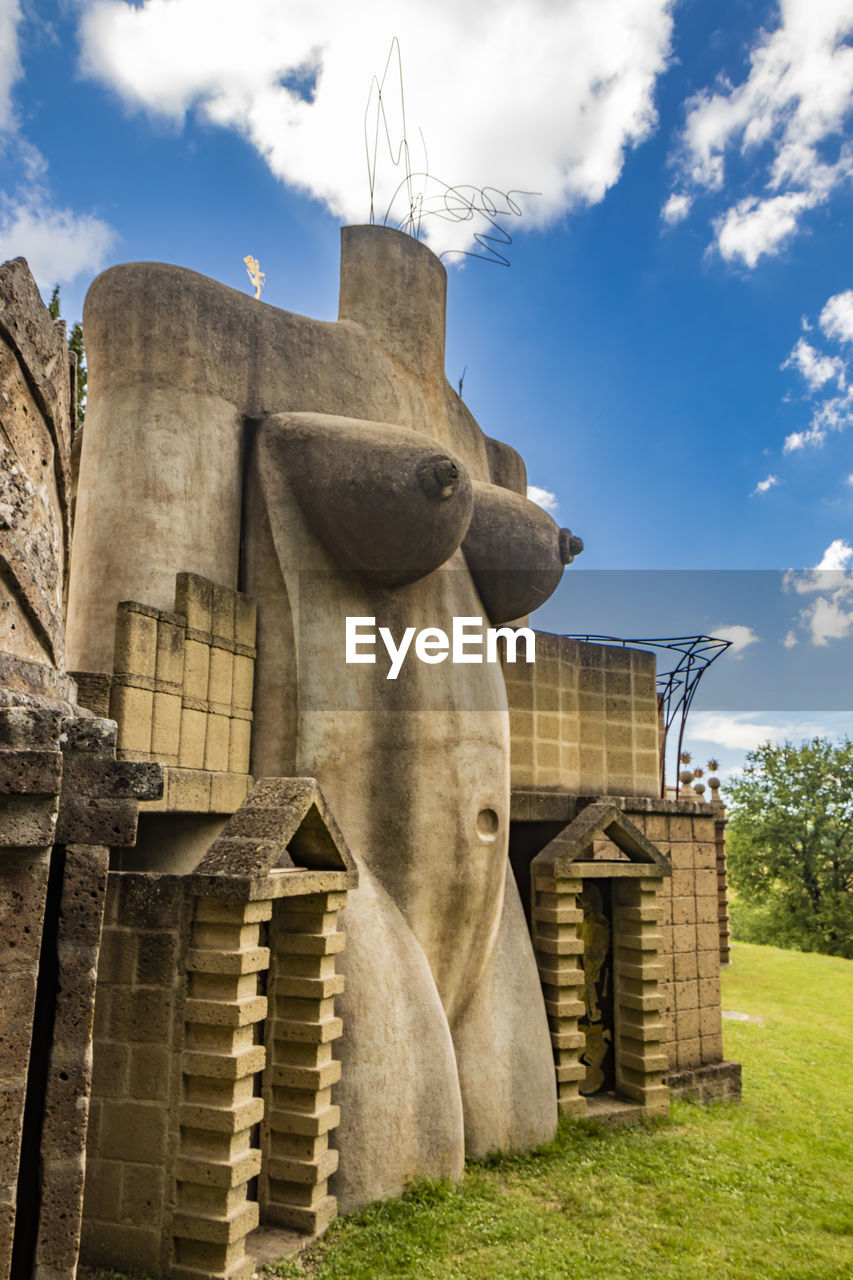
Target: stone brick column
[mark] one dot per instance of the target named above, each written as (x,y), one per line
(640,1031)
(304,940)
(559,955)
(66,1108)
(722,884)
(30,779)
(221,1107)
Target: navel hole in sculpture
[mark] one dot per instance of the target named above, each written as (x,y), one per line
(487,825)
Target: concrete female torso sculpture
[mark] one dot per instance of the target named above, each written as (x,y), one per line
(330,471)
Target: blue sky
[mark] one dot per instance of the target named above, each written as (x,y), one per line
(672,346)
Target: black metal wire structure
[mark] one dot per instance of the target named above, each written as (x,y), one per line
(420,193)
(676,686)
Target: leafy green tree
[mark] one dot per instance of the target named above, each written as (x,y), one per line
(75,344)
(790,846)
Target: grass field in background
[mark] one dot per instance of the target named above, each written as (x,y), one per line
(762,1190)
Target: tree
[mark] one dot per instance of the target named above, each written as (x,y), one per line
(75,344)
(790,845)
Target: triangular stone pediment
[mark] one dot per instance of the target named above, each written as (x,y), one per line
(283,824)
(576,843)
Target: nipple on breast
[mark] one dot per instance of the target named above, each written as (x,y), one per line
(439,478)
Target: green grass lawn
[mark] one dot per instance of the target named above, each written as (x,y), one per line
(763,1189)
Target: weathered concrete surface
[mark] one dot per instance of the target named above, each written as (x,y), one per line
(35,493)
(364,476)
(400,1100)
(66,1113)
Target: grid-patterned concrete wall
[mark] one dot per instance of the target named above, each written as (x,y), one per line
(584,718)
(136,1085)
(181,693)
(690,950)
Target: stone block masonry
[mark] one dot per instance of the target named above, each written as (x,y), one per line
(722,884)
(181,693)
(635,874)
(302,1027)
(559,953)
(584,718)
(220,1107)
(211,1098)
(137,1080)
(690,940)
(63,796)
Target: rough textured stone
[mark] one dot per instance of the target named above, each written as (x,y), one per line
(35,477)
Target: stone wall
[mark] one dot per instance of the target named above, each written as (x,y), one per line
(137,1043)
(690,937)
(63,799)
(213,1066)
(584,718)
(35,493)
(181,693)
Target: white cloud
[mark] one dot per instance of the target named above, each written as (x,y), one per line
(790,641)
(764,485)
(836,556)
(10,65)
(735,732)
(849,479)
(786,115)
(754,227)
(827,575)
(833,414)
(519,94)
(542,497)
(827,620)
(676,208)
(58,244)
(802,439)
(817,369)
(740,731)
(836,319)
(830,615)
(741,637)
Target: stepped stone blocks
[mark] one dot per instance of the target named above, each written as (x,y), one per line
(584,718)
(559,953)
(301,1030)
(601,844)
(220,1109)
(641,1060)
(181,693)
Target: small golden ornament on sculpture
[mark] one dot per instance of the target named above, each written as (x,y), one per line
(256,276)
